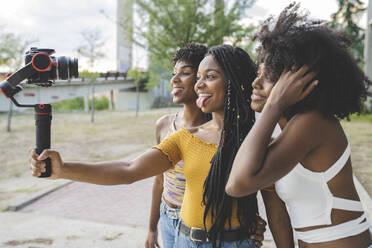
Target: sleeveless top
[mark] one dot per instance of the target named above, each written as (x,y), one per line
(309,202)
(174,179)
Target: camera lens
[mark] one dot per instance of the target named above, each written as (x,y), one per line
(67,67)
(73,67)
(62,68)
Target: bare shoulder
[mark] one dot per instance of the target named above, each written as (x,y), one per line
(313,120)
(312,127)
(163,126)
(303,127)
(310,120)
(165,121)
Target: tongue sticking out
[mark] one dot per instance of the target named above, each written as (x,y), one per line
(201,100)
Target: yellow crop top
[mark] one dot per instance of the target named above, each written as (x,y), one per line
(196,155)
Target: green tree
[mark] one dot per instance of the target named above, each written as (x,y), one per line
(12,49)
(149,78)
(92,47)
(170,24)
(92,77)
(346,18)
(91,50)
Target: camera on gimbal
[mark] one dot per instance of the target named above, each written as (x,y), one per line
(52,67)
(41,69)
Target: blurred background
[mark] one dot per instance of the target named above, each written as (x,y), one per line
(141,36)
(125,49)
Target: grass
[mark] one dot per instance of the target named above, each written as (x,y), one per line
(359,132)
(361,118)
(114,135)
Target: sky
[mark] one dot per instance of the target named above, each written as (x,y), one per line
(59,24)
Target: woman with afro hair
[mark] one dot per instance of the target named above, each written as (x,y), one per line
(309,162)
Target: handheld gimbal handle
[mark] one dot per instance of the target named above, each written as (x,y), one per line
(43,121)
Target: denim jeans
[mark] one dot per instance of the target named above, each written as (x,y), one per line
(168,225)
(183,241)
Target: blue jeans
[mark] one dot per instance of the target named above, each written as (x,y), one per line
(183,241)
(168,225)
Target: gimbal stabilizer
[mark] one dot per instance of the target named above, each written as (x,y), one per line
(40,69)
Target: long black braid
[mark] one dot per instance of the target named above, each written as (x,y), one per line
(239,118)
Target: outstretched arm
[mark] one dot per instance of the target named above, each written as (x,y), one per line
(150,163)
(258,164)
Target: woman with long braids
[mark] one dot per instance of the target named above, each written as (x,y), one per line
(309,162)
(237,119)
(208,216)
(223,88)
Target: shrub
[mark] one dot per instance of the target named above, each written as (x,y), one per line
(163,102)
(72,104)
(101,103)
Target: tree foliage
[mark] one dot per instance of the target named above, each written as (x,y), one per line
(170,24)
(91,76)
(346,18)
(12,50)
(149,78)
(92,47)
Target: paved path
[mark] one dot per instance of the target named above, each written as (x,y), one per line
(93,215)
(84,215)
(125,205)
(119,205)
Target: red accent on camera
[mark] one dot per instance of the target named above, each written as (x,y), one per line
(55,63)
(41,70)
(37,113)
(41,106)
(3,93)
(8,75)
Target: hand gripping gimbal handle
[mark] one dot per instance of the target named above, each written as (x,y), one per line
(43,120)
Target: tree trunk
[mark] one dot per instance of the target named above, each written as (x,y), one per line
(86,103)
(10,114)
(137,98)
(111,100)
(92,110)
